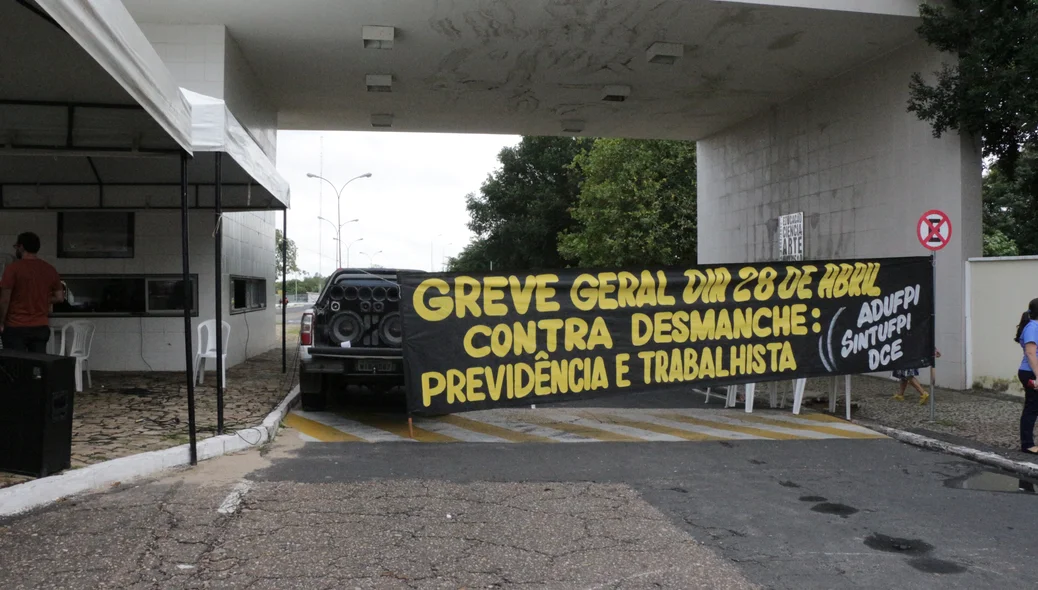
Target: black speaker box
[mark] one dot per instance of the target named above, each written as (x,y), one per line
(36,397)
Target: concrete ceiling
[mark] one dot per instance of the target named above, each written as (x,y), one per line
(524,66)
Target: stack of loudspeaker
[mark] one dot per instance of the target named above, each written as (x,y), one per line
(36,396)
(358,311)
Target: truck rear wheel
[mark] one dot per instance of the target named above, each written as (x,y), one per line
(313,391)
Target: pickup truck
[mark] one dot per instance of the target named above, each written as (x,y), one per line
(351,336)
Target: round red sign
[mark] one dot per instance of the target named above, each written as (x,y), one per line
(934,230)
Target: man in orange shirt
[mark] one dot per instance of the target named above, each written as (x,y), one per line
(27,290)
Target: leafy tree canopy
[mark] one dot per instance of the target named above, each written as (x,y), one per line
(279,240)
(991,93)
(637,204)
(523,206)
(1011,209)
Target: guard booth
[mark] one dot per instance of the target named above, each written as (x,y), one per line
(136,188)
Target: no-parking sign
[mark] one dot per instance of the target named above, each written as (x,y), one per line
(934,230)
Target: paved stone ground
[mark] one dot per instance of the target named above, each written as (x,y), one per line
(128,413)
(989,418)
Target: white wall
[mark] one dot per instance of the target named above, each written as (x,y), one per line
(248,100)
(194,54)
(999,291)
(139,344)
(206,59)
(862,170)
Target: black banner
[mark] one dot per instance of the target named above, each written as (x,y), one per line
(477,342)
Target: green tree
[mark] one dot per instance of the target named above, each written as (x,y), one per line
(306,283)
(991,92)
(997,244)
(523,206)
(1011,209)
(279,240)
(637,205)
(472,258)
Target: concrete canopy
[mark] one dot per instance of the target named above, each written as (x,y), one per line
(101,125)
(526,67)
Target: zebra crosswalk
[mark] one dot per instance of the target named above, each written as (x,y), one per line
(574,425)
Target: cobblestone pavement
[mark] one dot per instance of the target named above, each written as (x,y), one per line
(127,413)
(985,417)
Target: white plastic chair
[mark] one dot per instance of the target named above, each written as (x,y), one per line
(750,390)
(207,347)
(798,394)
(78,346)
(833,395)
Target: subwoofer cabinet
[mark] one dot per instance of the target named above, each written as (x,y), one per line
(36,402)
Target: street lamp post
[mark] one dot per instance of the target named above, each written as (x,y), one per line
(371,257)
(432,247)
(348,249)
(338,202)
(338,238)
(443,262)
(335,236)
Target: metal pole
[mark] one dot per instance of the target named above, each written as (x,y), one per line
(933,322)
(338,222)
(320,213)
(284,291)
(219,293)
(188,304)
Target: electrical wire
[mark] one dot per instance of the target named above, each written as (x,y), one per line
(285,380)
(150,368)
(248,333)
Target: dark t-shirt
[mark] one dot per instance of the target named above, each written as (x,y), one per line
(31,283)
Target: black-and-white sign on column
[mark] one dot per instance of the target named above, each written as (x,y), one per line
(791,236)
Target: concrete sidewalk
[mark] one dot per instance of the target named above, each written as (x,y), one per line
(988,418)
(979,425)
(125,414)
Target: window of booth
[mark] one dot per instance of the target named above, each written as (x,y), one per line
(126,295)
(248,294)
(95,234)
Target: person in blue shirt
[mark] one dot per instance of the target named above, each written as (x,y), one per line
(1027,337)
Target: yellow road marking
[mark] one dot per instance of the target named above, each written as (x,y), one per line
(651,427)
(581,430)
(822,429)
(492,430)
(397,426)
(731,427)
(321,432)
(822,418)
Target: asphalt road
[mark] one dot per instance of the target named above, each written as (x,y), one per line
(294,316)
(768,514)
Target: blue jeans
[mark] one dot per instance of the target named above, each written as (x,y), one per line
(1030,413)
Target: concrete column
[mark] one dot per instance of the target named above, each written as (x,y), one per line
(862,170)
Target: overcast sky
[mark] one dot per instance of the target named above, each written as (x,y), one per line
(416,192)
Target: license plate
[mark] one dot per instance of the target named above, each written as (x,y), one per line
(375,366)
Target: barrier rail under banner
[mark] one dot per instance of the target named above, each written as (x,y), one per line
(474,342)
